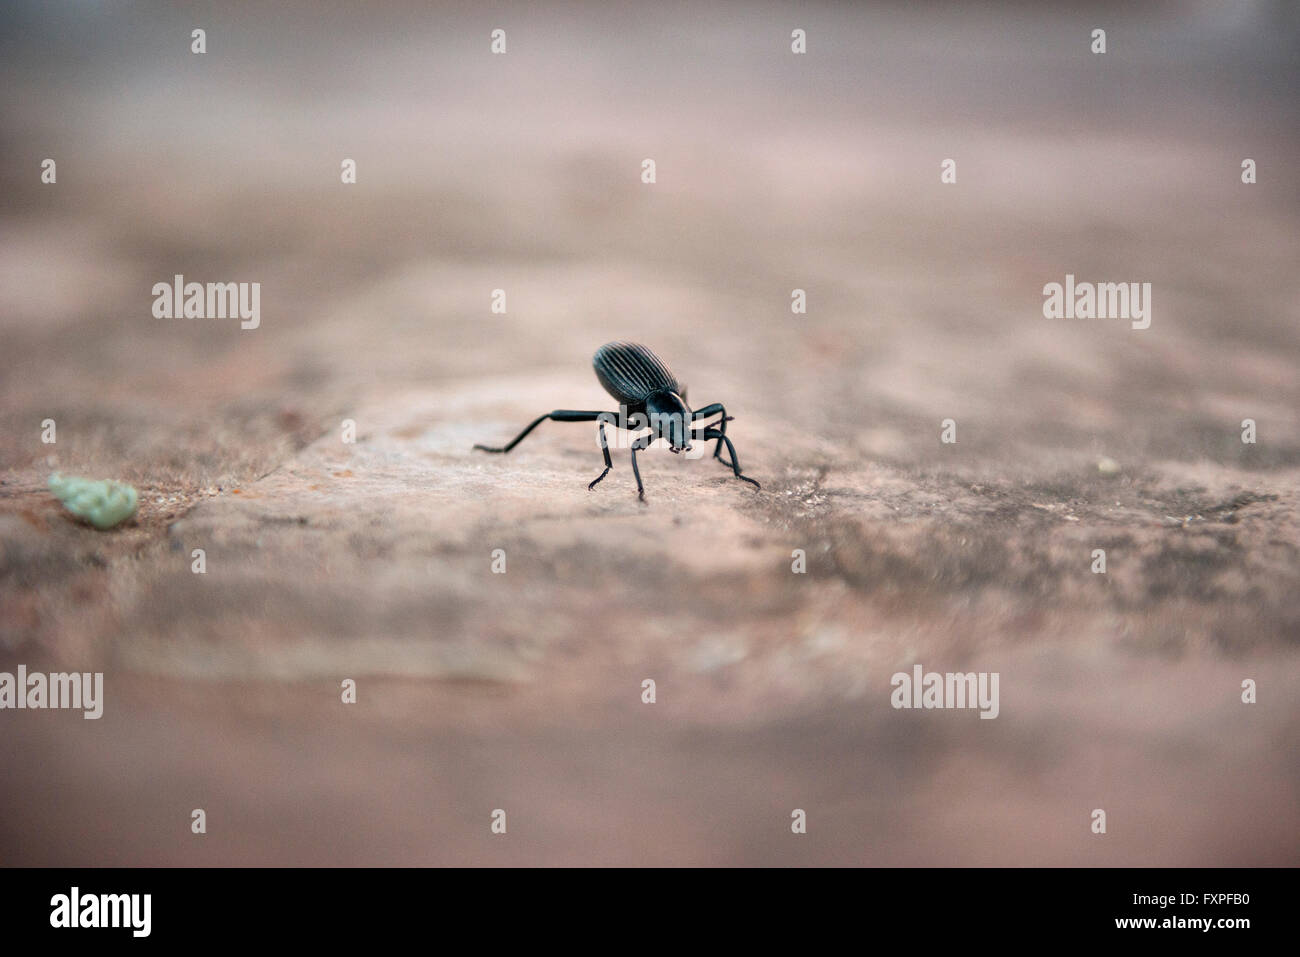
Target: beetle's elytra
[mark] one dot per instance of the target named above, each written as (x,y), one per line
(644,385)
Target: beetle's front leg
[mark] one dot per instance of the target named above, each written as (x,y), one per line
(604,448)
(735,462)
(698,433)
(637,446)
(711,410)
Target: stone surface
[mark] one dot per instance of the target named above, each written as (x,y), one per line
(372,560)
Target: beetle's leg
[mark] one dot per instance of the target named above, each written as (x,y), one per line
(698,433)
(735,462)
(637,446)
(559,415)
(717,448)
(604,447)
(711,410)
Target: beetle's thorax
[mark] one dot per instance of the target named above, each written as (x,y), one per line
(670,418)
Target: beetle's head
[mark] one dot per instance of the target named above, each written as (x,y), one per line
(670,419)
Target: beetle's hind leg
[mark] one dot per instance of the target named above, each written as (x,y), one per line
(711,433)
(568,415)
(559,415)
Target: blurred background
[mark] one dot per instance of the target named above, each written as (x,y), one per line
(372,560)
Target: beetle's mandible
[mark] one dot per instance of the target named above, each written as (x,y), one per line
(645,387)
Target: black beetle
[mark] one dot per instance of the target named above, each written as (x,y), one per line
(646,390)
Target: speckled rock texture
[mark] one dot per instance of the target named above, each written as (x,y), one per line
(372,560)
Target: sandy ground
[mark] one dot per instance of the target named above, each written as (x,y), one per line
(373,560)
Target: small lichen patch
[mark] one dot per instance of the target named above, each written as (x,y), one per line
(102,503)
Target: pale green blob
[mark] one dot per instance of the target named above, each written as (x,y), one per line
(103,504)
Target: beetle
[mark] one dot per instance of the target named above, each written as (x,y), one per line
(645,387)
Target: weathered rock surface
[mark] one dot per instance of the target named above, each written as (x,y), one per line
(373,560)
